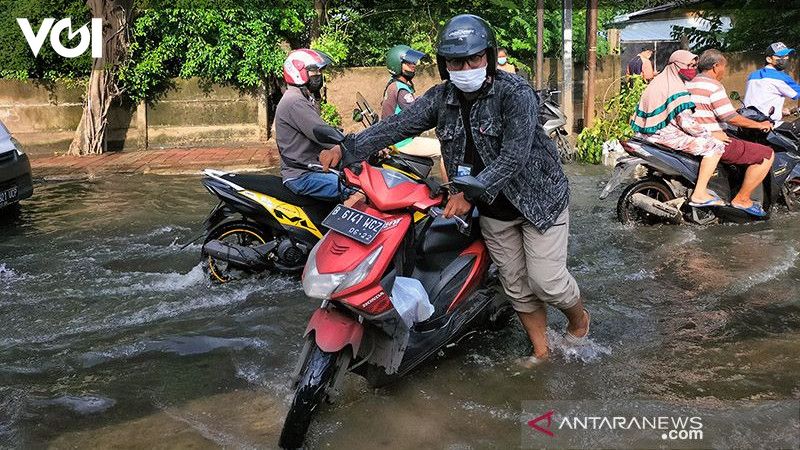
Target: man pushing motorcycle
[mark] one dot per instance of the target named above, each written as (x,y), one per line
(487,123)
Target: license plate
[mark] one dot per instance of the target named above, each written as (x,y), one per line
(9,195)
(354,224)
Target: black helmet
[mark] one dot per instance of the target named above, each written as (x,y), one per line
(466,35)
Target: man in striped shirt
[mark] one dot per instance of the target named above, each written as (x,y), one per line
(712,108)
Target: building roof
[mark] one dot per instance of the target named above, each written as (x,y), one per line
(636,16)
(657,23)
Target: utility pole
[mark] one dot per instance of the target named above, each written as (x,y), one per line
(591,46)
(540,44)
(566,91)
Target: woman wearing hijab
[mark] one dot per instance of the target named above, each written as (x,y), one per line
(664,116)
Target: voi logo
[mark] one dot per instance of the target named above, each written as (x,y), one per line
(49,25)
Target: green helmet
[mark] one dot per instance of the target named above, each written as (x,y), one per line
(398,54)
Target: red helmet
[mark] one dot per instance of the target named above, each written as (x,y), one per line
(298,63)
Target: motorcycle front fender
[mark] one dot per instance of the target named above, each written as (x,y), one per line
(334,331)
(624,168)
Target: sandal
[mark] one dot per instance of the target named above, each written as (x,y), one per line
(575,340)
(754,210)
(714,201)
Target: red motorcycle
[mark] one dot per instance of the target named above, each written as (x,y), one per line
(397,235)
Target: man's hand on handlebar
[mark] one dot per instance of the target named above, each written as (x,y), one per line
(765,126)
(457,205)
(330,157)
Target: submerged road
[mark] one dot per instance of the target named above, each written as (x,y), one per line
(112,337)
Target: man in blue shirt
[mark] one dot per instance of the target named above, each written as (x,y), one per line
(769,87)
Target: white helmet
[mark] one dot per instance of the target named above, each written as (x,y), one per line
(298,63)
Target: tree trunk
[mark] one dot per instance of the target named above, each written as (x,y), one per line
(102,89)
(319,19)
(591,61)
(566,61)
(540,44)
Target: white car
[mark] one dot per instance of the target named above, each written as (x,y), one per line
(15,171)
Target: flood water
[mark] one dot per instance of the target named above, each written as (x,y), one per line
(110,335)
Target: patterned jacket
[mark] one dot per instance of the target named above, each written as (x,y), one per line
(521,161)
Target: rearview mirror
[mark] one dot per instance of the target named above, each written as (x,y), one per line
(771,111)
(470,186)
(328,135)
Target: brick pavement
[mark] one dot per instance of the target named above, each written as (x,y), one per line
(163,161)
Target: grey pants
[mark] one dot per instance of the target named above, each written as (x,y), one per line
(532,265)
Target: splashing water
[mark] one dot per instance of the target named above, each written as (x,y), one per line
(587,352)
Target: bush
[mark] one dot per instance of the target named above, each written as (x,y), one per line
(330,115)
(613,122)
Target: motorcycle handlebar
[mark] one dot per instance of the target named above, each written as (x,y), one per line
(437,211)
(318,168)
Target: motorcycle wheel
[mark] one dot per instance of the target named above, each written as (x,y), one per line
(241,233)
(627,213)
(319,372)
(565,151)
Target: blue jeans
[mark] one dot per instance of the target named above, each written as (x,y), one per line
(323,186)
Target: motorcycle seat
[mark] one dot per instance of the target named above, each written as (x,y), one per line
(444,237)
(271,185)
(665,148)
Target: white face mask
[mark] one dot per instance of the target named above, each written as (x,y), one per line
(501,60)
(469,80)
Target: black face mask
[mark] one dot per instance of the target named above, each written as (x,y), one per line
(780,64)
(315,83)
(408,75)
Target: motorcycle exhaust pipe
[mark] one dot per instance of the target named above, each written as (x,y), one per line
(655,207)
(250,257)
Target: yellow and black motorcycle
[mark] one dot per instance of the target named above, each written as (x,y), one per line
(260,225)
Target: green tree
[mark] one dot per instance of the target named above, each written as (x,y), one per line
(17,60)
(239,47)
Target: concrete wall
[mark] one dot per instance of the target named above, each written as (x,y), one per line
(191,114)
(44,117)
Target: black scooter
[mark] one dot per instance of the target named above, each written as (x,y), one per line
(260,225)
(661,190)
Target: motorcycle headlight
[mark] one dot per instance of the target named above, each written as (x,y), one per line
(323,285)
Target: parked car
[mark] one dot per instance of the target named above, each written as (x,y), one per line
(15,171)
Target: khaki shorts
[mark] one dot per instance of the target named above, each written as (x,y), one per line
(532,265)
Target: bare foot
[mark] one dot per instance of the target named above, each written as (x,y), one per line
(700,198)
(740,204)
(529,362)
(581,329)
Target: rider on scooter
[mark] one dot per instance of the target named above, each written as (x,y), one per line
(398,94)
(524,214)
(713,107)
(769,87)
(296,116)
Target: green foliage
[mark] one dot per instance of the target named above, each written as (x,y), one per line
(613,122)
(366,29)
(16,58)
(238,47)
(330,114)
